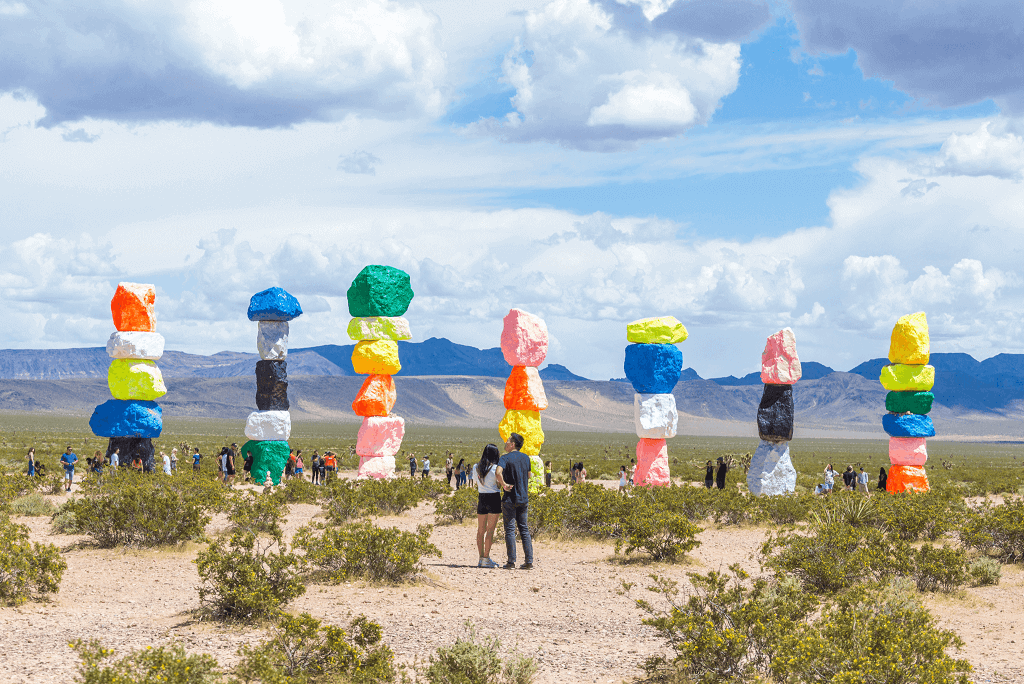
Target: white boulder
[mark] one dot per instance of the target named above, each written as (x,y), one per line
(655,415)
(272,340)
(771,470)
(269,426)
(135,345)
(377,467)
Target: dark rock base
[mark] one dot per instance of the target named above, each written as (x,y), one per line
(775,415)
(129,448)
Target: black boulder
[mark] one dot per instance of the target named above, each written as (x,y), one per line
(272,385)
(775,414)
(129,448)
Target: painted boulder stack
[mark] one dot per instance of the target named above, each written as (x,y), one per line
(132,418)
(653,365)
(524,344)
(270,425)
(909,380)
(377,299)
(771,468)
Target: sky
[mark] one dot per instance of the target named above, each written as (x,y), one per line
(742,165)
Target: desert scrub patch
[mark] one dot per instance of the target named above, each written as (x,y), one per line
(455,508)
(939,568)
(28,570)
(665,536)
(475,660)
(921,515)
(301,649)
(984,571)
(996,530)
(64,521)
(162,665)
(365,550)
(251,575)
(32,505)
(298,490)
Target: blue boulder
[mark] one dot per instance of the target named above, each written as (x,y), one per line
(908,425)
(653,368)
(119,418)
(273,304)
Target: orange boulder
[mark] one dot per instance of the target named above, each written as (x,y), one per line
(903,478)
(524,390)
(132,307)
(376,397)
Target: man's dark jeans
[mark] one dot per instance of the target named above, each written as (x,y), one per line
(514,515)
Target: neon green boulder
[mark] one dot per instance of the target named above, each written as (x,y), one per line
(135,379)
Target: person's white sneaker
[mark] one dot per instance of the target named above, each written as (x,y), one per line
(488,563)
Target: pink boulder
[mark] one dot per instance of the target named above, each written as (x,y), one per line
(524,339)
(377,467)
(651,462)
(908,451)
(779,363)
(380,436)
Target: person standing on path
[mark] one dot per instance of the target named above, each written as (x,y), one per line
(426,467)
(460,473)
(883,478)
(547,475)
(115,459)
(720,475)
(68,460)
(862,483)
(196,458)
(229,468)
(174,460)
(622,480)
(314,467)
(330,461)
(448,468)
(849,478)
(298,465)
(513,477)
(830,478)
(629,471)
(32,462)
(709,475)
(488,504)
(167,462)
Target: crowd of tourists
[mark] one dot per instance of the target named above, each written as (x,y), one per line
(853,480)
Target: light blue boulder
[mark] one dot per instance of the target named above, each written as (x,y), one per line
(273,304)
(908,425)
(653,368)
(120,418)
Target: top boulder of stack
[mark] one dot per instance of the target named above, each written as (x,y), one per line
(379,291)
(524,339)
(273,304)
(780,364)
(659,330)
(132,307)
(910,343)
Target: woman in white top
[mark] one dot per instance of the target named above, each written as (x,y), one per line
(488,506)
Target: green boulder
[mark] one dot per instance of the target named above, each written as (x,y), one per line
(379,291)
(909,402)
(267,457)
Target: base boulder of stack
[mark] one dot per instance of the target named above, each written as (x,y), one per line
(267,458)
(130,448)
(905,478)
(771,470)
(651,462)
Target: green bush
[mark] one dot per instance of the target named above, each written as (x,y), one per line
(28,570)
(33,505)
(939,568)
(849,508)
(365,550)
(456,507)
(302,650)
(341,501)
(471,660)
(833,555)
(984,571)
(252,575)
(996,530)
(392,496)
(65,521)
(163,665)
(142,510)
(733,508)
(786,509)
(298,490)
(14,487)
(665,536)
(917,515)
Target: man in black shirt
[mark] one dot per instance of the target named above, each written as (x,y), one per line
(513,476)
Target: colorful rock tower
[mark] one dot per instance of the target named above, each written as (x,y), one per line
(771,469)
(524,343)
(909,380)
(653,364)
(269,427)
(132,418)
(377,299)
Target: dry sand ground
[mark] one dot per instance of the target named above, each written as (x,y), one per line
(567,613)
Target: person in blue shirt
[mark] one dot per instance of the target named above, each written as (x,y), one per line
(196,458)
(68,459)
(513,477)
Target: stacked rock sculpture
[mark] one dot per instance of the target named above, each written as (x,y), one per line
(269,427)
(653,365)
(909,380)
(377,299)
(524,343)
(132,418)
(771,468)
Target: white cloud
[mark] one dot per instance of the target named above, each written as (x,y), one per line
(981,153)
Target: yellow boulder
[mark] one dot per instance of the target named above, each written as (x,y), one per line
(909,343)
(659,330)
(904,378)
(376,357)
(136,379)
(525,423)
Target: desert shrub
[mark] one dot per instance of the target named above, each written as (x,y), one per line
(341,501)
(13,487)
(392,496)
(64,521)
(434,489)
(253,574)
(591,510)
(547,512)
(939,568)
(28,570)
(458,506)
(786,509)
(696,503)
(996,530)
(733,508)
(163,665)
(665,536)
(298,490)
(984,571)
(848,508)
(142,510)
(916,515)
(301,650)
(51,483)
(833,555)
(365,550)
(472,660)
(32,504)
